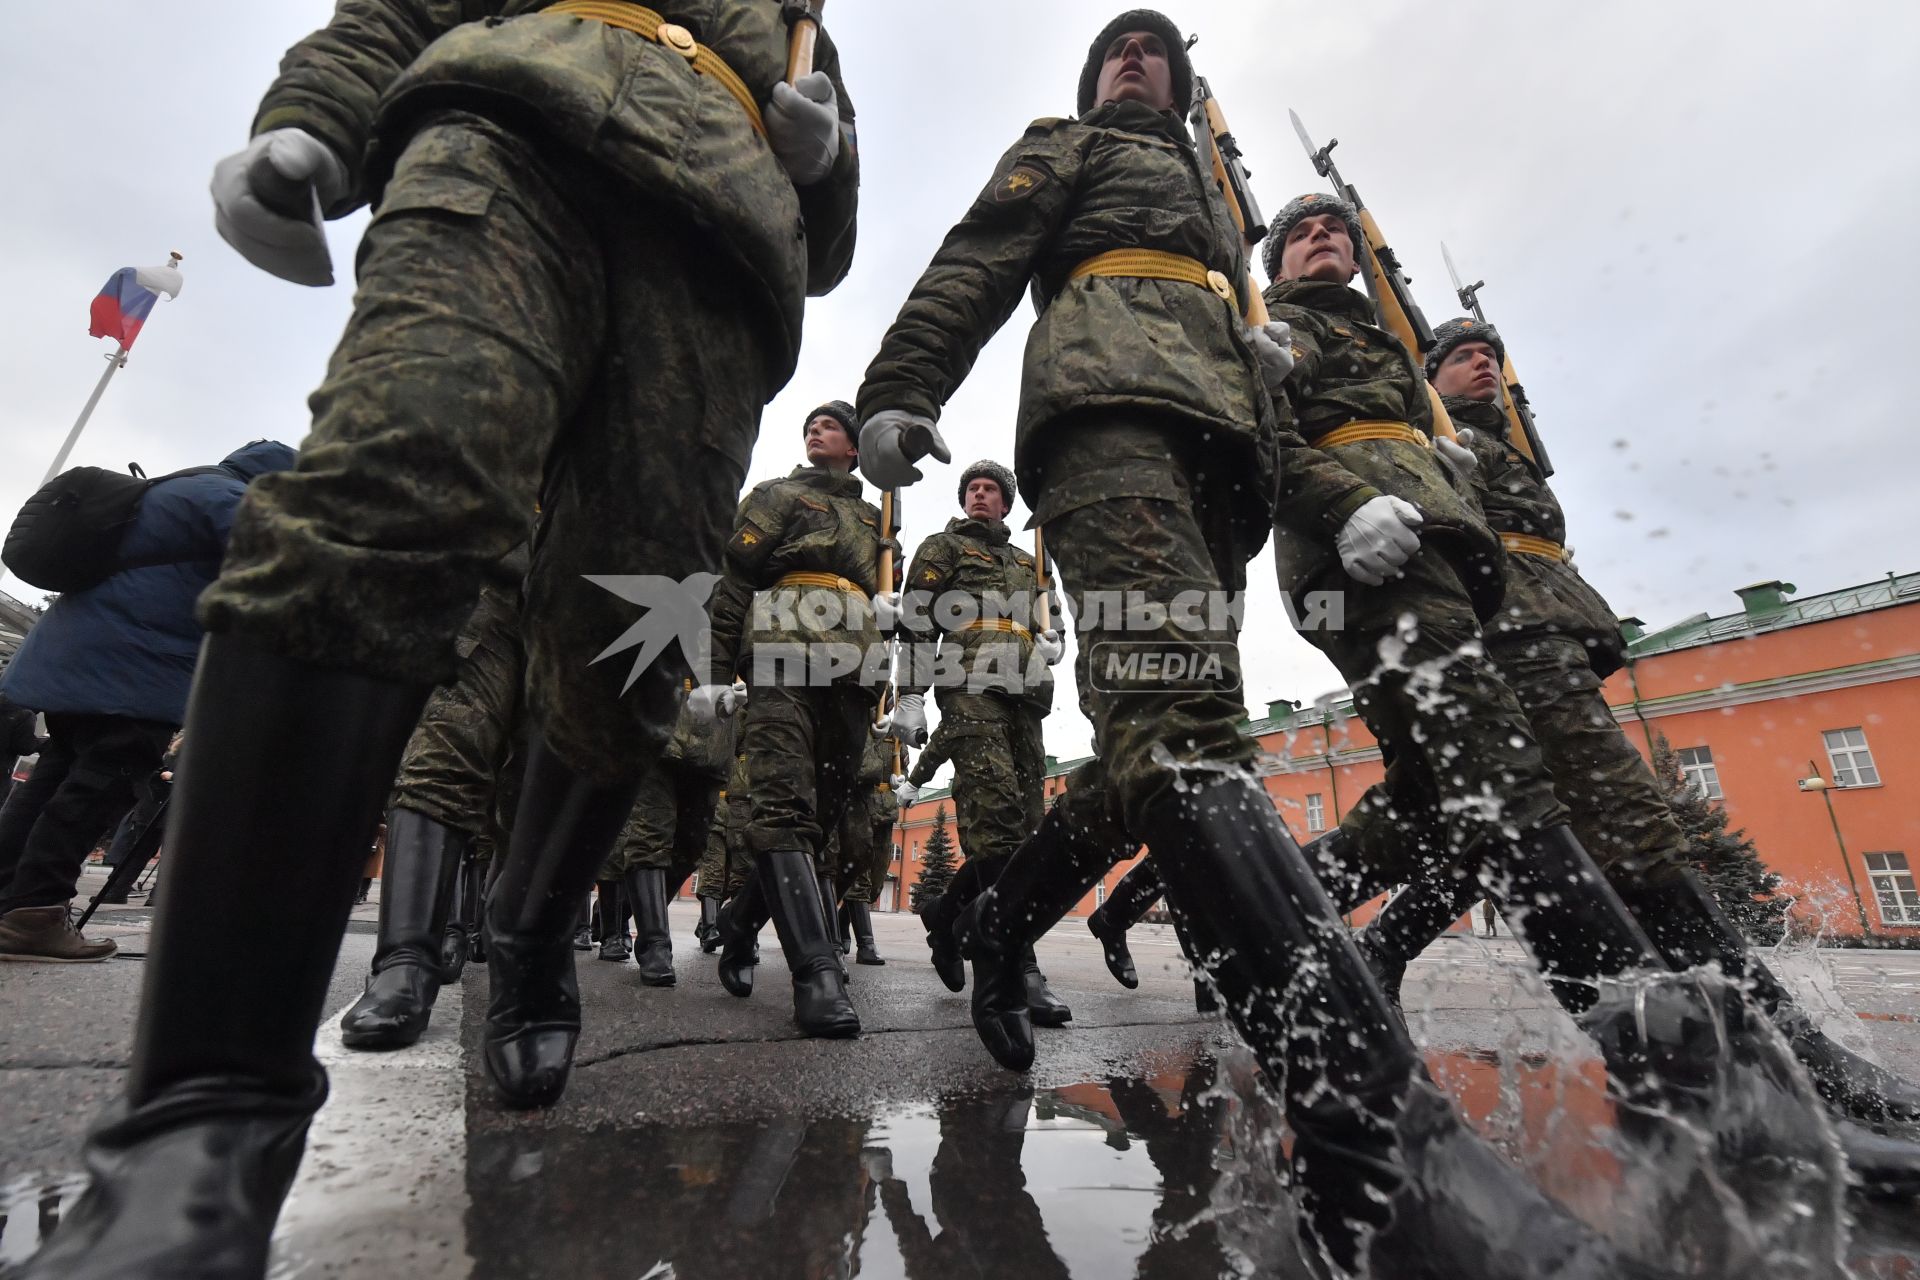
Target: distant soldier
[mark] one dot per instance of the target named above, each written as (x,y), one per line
(715,884)
(866,845)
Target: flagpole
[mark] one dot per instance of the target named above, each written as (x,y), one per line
(115,361)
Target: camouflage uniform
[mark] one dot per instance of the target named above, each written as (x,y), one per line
(1468,754)
(866,833)
(805,735)
(584,277)
(457,766)
(715,881)
(1145,433)
(994,697)
(679,797)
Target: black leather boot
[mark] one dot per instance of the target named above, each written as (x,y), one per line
(860,918)
(416,893)
(1204,1000)
(820,1003)
(285,770)
(1410,922)
(1125,907)
(1045,1008)
(707,932)
(1050,872)
(563,831)
(1391,1181)
(740,923)
(647,889)
(473,909)
(584,924)
(611,909)
(456,941)
(938,917)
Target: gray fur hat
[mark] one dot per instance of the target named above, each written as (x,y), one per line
(993,471)
(1460,329)
(1298,208)
(1139,20)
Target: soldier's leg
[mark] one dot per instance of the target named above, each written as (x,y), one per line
(711,884)
(1027,753)
(644,853)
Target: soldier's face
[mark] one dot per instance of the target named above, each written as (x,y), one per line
(1318,248)
(984,501)
(828,444)
(1136,70)
(1471,370)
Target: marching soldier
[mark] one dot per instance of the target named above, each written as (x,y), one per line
(1148,442)
(592,244)
(991,704)
(866,846)
(800,576)
(443,805)
(714,884)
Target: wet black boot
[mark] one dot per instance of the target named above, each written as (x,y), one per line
(1204,1000)
(836,923)
(707,932)
(938,917)
(820,1003)
(610,909)
(1045,1008)
(1390,1180)
(285,770)
(740,923)
(1410,922)
(565,826)
(653,951)
(473,906)
(423,862)
(456,941)
(860,918)
(1125,907)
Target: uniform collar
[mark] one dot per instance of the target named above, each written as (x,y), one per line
(1138,117)
(992,532)
(1326,297)
(1481,415)
(841,484)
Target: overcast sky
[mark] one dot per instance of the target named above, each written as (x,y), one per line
(1696,224)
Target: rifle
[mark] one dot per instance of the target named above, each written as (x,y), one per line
(803,23)
(1042,607)
(1388,284)
(1230,175)
(1513,396)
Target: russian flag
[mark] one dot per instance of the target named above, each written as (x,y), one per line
(124,303)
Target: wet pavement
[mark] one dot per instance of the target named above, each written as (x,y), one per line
(703,1137)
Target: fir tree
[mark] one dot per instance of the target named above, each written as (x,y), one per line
(1726,861)
(940,864)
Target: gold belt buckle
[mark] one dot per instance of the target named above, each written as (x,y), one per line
(1218,282)
(678,39)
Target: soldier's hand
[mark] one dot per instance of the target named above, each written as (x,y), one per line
(708,702)
(886,611)
(909,720)
(267,203)
(1273,344)
(1052,648)
(905,791)
(736,698)
(892,440)
(803,127)
(1464,460)
(1379,538)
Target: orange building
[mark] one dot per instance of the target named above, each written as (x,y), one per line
(1800,716)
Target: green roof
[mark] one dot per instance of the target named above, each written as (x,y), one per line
(1769,608)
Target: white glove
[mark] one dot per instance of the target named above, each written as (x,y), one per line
(708,702)
(803,127)
(268,200)
(909,720)
(904,790)
(892,440)
(886,611)
(1464,459)
(1052,648)
(1379,538)
(736,697)
(1273,343)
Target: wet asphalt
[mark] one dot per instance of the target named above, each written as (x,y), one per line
(703,1136)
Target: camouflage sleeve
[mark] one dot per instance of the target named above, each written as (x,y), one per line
(938,750)
(926,578)
(1315,488)
(757,529)
(330,84)
(829,205)
(976,278)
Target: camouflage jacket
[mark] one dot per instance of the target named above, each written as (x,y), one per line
(938,751)
(630,105)
(975,559)
(876,778)
(1121,177)
(703,748)
(1543,595)
(811,521)
(1348,370)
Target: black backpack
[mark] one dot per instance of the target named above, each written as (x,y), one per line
(67,536)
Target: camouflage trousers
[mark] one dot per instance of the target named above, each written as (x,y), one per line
(999,771)
(1463,764)
(804,746)
(711,881)
(668,828)
(867,885)
(457,768)
(526,329)
(1132,512)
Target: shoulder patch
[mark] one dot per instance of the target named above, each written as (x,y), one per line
(749,534)
(1019,182)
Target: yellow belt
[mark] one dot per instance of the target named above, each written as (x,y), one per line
(1371,429)
(1155,264)
(649,25)
(832,581)
(1528,545)
(996,624)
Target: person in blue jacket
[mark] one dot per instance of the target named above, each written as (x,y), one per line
(110,668)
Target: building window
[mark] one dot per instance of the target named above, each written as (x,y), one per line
(1893,888)
(1852,762)
(1696,766)
(1316,813)
(1099,893)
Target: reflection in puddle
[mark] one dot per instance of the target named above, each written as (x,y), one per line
(30,1209)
